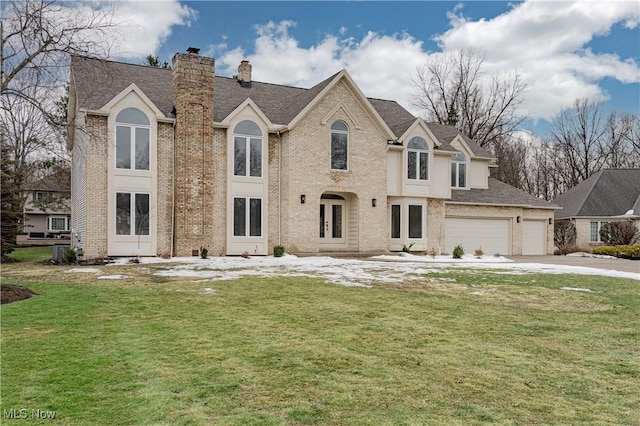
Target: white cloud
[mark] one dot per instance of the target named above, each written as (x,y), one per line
(545,40)
(148,27)
(130,29)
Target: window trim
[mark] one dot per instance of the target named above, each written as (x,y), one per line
(419,159)
(598,224)
(455,170)
(339,132)
(132,214)
(50,221)
(247,217)
(133,136)
(247,140)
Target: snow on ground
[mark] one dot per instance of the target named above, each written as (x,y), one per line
(113,277)
(354,272)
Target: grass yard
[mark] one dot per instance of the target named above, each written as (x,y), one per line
(451,347)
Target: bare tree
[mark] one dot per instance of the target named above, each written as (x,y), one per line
(587,141)
(37,40)
(453,89)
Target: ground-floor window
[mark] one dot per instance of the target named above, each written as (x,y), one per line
(57,223)
(247,217)
(132,213)
(594,236)
(415,221)
(407,220)
(395,220)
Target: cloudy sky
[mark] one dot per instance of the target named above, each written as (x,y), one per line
(565,49)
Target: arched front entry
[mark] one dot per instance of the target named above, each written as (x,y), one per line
(338,222)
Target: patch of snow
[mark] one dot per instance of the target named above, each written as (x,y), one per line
(113,277)
(353,272)
(586,290)
(595,256)
(84,270)
(467,258)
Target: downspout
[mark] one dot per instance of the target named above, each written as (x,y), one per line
(279,188)
(173,193)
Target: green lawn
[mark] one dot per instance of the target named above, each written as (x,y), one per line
(159,350)
(32,254)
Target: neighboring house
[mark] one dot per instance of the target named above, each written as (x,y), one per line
(168,161)
(606,196)
(47,210)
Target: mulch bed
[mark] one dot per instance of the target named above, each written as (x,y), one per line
(10,293)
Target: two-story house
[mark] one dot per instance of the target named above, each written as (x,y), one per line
(46,210)
(168,161)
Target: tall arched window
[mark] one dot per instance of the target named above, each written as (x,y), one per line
(339,146)
(459,171)
(247,149)
(132,140)
(417,159)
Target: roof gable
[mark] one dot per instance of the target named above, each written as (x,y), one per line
(610,192)
(326,88)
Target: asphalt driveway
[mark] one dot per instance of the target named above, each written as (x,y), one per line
(623,265)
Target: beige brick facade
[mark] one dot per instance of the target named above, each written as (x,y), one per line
(193,89)
(307,170)
(194,189)
(97,137)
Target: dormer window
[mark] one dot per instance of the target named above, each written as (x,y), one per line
(417,159)
(339,146)
(132,140)
(459,171)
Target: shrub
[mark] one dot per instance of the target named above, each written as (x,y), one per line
(458,252)
(564,234)
(478,252)
(622,251)
(70,256)
(619,233)
(278,251)
(571,249)
(203,252)
(406,248)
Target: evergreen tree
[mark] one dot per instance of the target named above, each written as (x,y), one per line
(10,209)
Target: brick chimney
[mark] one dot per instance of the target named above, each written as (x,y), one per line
(193,88)
(244,73)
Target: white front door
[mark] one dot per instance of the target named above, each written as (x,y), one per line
(332,223)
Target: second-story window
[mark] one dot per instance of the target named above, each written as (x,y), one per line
(459,171)
(132,140)
(339,146)
(417,159)
(247,149)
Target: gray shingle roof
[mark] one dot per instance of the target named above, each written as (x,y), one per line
(447,134)
(498,193)
(99,81)
(610,192)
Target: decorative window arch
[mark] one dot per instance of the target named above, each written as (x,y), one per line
(459,171)
(133,130)
(247,149)
(339,146)
(418,159)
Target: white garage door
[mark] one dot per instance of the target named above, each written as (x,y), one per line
(491,235)
(534,237)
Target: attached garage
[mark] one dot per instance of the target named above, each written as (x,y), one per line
(534,235)
(491,235)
